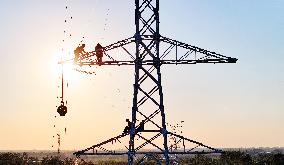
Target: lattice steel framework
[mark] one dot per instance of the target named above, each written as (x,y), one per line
(148,103)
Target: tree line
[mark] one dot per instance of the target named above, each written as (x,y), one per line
(227,158)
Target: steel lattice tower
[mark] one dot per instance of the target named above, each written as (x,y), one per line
(148,60)
(148,49)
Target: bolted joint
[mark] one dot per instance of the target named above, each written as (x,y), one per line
(134,109)
(156,36)
(132,130)
(138,14)
(156,12)
(164,131)
(138,62)
(130,154)
(136,85)
(156,62)
(137,37)
(232,60)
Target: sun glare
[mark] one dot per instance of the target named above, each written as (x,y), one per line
(69,72)
(68,67)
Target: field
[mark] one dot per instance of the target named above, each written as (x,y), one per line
(238,157)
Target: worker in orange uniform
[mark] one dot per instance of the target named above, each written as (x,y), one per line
(79,51)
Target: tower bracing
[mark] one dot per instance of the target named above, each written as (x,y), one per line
(146,132)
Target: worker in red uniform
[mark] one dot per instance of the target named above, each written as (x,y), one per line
(99,52)
(79,51)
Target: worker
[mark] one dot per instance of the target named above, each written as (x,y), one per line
(127,128)
(140,127)
(79,51)
(99,53)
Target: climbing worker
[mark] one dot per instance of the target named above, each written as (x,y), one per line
(141,126)
(79,51)
(99,53)
(127,128)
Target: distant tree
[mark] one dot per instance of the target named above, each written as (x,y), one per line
(277,151)
(11,159)
(236,158)
(273,159)
(68,161)
(33,161)
(52,160)
(202,160)
(278,159)
(227,158)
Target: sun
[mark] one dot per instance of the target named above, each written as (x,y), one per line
(67,67)
(68,71)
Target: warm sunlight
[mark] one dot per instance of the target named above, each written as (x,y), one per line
(69,72)
(141,82)
(68,67)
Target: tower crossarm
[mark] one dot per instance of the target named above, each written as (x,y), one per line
(85,58)
(195,142)
(200,55)
(119,44)
(193,55)
(83,152)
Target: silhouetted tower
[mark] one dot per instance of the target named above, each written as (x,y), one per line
(148,121)
(148,50)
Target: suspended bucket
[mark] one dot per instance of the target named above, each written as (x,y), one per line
(62,109)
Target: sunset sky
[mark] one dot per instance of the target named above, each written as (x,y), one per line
(223,105)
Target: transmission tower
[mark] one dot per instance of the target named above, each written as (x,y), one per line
(148,122)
